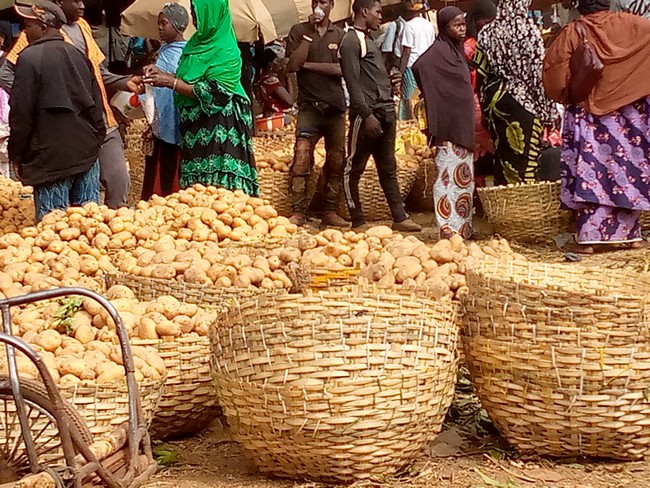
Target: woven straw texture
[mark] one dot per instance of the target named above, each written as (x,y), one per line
(134,152)
(373,200)
(335,387)
(421,197)
(275,187)
(105,407)
(189,402)
(526,213)
(645,221)
(147,289)
(560,357)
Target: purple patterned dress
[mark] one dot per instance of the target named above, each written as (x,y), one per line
(606,172)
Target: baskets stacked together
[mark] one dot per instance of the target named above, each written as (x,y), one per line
(527,213)
(560,357)
(335,387)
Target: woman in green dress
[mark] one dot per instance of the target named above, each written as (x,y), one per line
(216,119)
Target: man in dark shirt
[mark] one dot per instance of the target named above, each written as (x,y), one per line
(56,118)
(372,115)
(313,53)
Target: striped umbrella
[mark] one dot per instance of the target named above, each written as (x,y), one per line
(10,3)
(272,18)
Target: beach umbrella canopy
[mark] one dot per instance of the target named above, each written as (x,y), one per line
(272,18)
(10,3)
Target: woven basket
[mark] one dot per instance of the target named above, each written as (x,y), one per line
(135,155)
(189,403)
(105,407)
(560,357)
(335,387)
(275,187)
(373,200)
(147,289)
(527,212)
(645,221)
(420,199)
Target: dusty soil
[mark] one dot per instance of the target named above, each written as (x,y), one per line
(467,454)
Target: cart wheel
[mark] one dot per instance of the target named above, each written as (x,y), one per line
(14,463)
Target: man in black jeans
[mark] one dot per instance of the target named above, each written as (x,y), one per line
(373,119)
(313,48)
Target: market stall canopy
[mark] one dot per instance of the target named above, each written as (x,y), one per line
(10,3)
(272,18)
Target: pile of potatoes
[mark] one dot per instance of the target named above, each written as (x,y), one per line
(16,206)
(203,214)
(206,263)
(85,349)
(390,259)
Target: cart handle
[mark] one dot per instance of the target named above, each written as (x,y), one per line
(136,417)
(60,416)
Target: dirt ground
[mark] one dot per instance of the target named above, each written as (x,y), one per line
(460,457)
(467,454)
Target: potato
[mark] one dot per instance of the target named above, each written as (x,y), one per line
(168,328)
(163,271)
(380,232)
(50,340)
(147,329)
(112,374)
(84,333)
(120,291)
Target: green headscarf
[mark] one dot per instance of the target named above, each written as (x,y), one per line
(212,52)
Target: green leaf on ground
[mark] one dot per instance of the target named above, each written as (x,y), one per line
(165,456)
(495,483)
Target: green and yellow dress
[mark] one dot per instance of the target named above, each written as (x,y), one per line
(217,125)
(517,133)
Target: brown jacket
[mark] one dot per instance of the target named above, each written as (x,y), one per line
(622,42)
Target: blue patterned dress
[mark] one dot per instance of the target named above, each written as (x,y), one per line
(606,172)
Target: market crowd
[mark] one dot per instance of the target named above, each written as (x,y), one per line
(495,98)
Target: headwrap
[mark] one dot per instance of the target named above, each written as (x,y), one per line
(621,43)
(443,77)
(177,16)
(586,7)
(7,32)
(515,50)
(212,53)
(482,9)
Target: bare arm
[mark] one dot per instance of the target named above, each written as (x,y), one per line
(404,62)
(283,95)
(298,57)
(327,69)
(153,76)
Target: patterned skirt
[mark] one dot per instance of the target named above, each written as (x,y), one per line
(216,144)
(453,191)
(606,171)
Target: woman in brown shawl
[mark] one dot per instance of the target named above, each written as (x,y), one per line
(606,139)
(443,76)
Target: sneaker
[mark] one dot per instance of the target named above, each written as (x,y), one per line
(332,219)
(407,226)
(360,228)
(298,219)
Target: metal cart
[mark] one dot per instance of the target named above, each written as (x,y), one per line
(46,442)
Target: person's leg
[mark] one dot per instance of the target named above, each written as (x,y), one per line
(334,134)
(307,136)
(359,149)
(85,187)
(453,191)
(169,168)
(51,196)
(114,171)
(383,151)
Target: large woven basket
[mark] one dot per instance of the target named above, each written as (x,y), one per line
(527,213)
(189,401)
(560,357)
(373,200)
(105,407)
(645,221)
(275,187)
(335,387)
(146,289)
